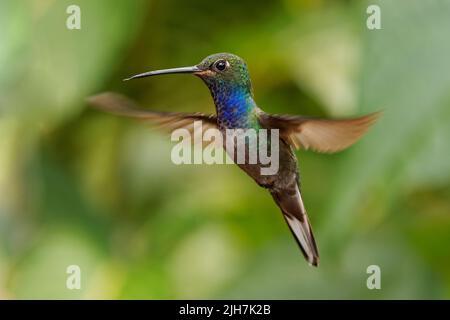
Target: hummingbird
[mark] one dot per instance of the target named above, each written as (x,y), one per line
(227,78)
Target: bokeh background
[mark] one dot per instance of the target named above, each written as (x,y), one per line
(81,187)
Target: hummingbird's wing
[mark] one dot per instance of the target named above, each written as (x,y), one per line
(123,106)
(322,135)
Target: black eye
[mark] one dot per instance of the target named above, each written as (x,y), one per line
(221,65)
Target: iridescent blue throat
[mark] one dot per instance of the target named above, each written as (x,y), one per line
(235,108)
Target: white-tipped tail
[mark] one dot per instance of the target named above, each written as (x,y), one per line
(291,204)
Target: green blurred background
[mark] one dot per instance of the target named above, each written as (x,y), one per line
(81,187)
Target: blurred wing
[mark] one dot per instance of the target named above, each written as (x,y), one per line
(322,135)
(169,121)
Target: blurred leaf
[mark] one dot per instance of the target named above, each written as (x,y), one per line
(406,73)
(42,274)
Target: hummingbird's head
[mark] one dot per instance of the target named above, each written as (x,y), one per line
(223,73)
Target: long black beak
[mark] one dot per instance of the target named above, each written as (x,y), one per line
(165,71)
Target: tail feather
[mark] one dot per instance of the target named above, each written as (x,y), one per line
(291,205)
